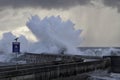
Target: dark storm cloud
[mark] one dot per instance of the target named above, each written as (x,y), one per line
(42,3)
(112,3)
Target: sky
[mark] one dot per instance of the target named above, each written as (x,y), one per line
(99,19)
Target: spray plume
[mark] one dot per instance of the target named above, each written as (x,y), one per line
(53,35)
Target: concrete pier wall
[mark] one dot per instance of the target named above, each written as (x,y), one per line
(54,71)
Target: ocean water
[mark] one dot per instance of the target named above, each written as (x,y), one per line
(103,75)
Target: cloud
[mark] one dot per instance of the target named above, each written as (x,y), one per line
(112,3)
(55,4)
(11,19)
(48,4)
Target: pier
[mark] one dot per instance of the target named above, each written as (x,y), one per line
(53,67)
(51,71)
